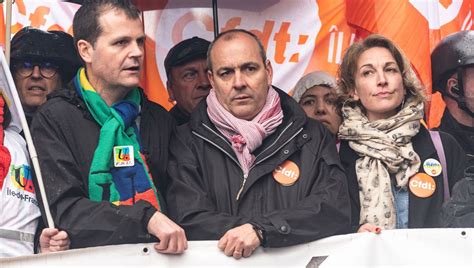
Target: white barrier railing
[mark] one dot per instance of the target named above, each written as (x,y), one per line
(400,248)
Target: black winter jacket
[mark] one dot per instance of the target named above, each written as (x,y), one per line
(458,212)
(66,136)
(464,135)
(208,194)
(423,212)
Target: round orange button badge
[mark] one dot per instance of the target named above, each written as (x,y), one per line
(286,173)
(422,185)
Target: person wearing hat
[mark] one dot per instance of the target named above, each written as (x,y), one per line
(186,71)
(452,65)
(315,92)
(40,63)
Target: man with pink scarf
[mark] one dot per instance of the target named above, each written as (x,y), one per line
(250,169)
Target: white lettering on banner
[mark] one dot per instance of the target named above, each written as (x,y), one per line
(332,45)
(436,13)
(467,24)
(288,31)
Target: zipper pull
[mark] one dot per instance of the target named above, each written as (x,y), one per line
(242,187)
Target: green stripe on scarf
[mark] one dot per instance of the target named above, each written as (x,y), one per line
(114,132)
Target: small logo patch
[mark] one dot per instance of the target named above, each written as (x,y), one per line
(286,173)
(21,178)
(432,167)
(123,156)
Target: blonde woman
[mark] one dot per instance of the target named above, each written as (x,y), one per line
(394,172)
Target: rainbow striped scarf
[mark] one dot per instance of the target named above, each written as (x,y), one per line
(118,141)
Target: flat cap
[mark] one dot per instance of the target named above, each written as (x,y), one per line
(186,51)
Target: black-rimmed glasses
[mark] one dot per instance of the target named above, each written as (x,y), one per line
(26,68)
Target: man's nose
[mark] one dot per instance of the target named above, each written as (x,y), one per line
(239,81)
(136,50)
(203,82)
(36,73)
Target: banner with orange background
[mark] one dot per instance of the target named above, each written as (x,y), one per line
(299,36)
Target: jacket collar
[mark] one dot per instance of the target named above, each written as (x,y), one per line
(294,118)
(179,115)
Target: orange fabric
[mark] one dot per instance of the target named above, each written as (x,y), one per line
(151,81)
(334,29)
(341,22)
(411,33)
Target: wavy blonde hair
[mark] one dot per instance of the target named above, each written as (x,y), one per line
(347,69)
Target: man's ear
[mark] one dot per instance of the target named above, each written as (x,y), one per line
(452,87)
(85,50)
(170,91)
(269,68)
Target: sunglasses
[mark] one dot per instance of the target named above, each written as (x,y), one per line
(26,68)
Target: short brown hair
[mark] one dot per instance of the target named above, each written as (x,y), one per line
(86,25)
(348,68)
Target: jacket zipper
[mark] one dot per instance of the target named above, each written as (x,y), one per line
(265,158)
(242,187)
(245,176)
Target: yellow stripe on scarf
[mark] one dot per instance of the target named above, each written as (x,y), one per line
(84,81)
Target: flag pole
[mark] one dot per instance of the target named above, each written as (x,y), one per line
(15,99)
(215,18)
(8,27)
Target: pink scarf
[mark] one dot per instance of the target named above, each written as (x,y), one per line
(246,136)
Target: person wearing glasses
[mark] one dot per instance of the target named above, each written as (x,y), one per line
(186,71)
(41,62)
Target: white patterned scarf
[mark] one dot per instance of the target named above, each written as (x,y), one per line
(385,148)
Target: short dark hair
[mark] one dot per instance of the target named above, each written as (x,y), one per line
(86,24)
(231,34)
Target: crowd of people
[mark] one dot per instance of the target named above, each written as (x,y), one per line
(236,159)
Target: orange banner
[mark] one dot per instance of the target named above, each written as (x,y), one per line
(299,36)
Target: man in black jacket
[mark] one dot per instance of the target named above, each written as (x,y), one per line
(250,169)
(186,70)
(452,64)
(102,146)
